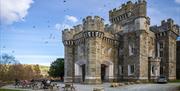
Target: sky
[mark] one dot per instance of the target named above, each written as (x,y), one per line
(31,30)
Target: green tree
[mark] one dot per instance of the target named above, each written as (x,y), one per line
(57,68)
(5,61)
(37,71)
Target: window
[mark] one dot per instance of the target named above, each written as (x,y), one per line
(89,34)
(131,69)
(120,69)
(131,49)
(161,45)
(153,69)
(161,53)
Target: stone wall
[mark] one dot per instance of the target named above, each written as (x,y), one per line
(178,60)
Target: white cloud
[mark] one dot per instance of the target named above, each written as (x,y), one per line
(68,22)
(13,10)
(62,26)
(71,18)
(177,1)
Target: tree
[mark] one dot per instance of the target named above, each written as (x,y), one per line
(8,59)
(5,62)
(37,71)
(57,68)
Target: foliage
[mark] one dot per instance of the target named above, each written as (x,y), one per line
(8,59)
(20,71)
(44,70)
(5,61)
(57,68)
(11,69)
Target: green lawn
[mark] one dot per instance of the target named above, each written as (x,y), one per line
(174,81)
(9,90)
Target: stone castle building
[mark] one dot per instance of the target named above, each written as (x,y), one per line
(127,49)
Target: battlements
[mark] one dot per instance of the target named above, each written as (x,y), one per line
(170,25)
(93,23)
(78,28)
(169,22)
(67,34)
(127,11)
(166,25)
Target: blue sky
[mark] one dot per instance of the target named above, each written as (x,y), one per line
(31,29)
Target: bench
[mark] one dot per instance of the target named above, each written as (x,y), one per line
(68,86)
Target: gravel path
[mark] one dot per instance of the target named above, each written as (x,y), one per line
(106,86)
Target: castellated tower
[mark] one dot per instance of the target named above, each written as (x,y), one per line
(90,52)
(166,35)
(135,38)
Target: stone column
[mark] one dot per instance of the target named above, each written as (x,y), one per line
(69,64)
(93,73)
(115,63)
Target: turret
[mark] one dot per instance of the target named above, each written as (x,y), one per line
(67,34)
(128,12)
(95,23)
(170,26)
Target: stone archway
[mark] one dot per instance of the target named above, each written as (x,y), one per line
(103,72)
(80,69)
(107,70)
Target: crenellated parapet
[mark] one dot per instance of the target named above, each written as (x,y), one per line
(93,27)
(78,28)
(67,34)
(128,11)
(95,23)
(165,27)
(170,26)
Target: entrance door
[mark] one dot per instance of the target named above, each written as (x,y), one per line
(83,72)
(103,72)
(161,68)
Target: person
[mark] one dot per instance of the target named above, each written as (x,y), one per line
(32,80)
(43,83)
(16,82)
(32,83)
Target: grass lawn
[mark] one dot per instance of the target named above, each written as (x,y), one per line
(174,81)
(9,90)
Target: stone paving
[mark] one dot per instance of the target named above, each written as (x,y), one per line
(106,86)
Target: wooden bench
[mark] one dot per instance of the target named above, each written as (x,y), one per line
(68,86)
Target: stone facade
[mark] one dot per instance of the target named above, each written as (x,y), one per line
(178,60)
(127,49)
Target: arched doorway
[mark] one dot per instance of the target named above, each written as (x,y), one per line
(83,67)
(103,72)
(107,71)
(80,70)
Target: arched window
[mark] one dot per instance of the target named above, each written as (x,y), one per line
(153,69)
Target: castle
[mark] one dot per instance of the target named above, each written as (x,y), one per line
(127,49)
